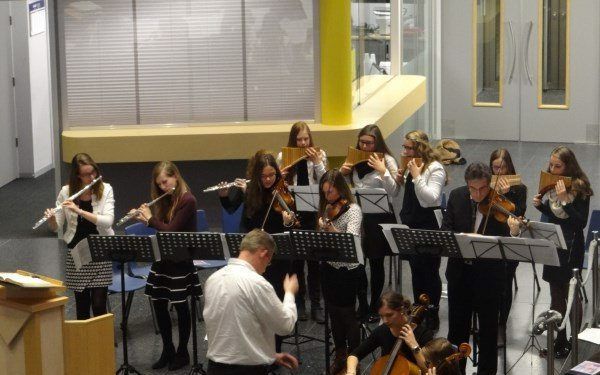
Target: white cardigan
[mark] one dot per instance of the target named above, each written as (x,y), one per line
(374,180)
(315,171)
(428,185)
(104,209)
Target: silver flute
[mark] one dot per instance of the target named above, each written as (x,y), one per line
(220,187)
(71,198)
(130,215)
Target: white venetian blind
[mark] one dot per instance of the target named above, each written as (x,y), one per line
(99,62)
(186,64)
(280,60)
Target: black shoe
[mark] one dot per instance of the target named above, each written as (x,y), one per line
(561,349)
(316,314)
(302,315)
(166,357)
(180,360)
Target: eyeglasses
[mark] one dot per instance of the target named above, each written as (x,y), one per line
(267,176)
(83,175)
(366,143)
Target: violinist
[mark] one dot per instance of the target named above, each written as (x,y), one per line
(442,357)
(306,172)
(339,213)
(474,285)
(501,164)
(257,197)
(423,185)
(376,173)
(569,209)
(395,313)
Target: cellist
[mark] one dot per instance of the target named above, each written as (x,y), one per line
(394,310)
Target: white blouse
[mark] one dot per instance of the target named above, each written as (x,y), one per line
(315,171)
(428,185)
(348,222)
(374,179)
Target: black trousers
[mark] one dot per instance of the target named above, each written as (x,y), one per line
(215,368)
(312,280)
(507,293)
(470,294)
(426,279)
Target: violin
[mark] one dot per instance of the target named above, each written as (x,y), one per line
(335,210)
(464,350)
(497,205)
(284,200)
(395,363)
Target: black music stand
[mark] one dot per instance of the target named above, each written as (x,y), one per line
(122,249)
(423,242)
(181,246)
(326,246)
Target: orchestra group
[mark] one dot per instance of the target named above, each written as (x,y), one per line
(246,314)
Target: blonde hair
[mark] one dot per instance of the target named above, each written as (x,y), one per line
(422,147)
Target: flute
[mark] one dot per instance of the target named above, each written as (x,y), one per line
(219,187)
(130,215)
(71,198)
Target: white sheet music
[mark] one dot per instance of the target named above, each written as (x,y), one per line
(306,197)
(387,232)
(478,246)
(359,252)
(155,248)
(548,231)
(81,254)
(530,250)
(373,200)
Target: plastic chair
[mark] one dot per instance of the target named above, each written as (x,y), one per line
(134,269)
(201,223)
(231,223)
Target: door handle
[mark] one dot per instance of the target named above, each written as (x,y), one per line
(514,60)
(526,53)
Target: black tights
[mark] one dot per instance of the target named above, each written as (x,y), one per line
(90,297)
(184,321)
(377,281)
(559,293)
(344,327)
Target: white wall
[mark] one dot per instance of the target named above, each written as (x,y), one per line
(32,95)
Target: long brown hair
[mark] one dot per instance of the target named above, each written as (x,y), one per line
(394,300)
(164,208)
(75,183)
(422,147)
(502,153)
(373,131)
(292,142)
(436,351)
(580,184)
(337,180)
(295,130)
(256,195)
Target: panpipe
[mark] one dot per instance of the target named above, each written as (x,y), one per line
(512,179)
(548,182)
(292,155)
(356,156)
(405,159)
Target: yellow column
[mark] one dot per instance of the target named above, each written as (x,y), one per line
(336,73)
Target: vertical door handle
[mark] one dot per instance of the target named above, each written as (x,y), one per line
(526,53)
(514,60)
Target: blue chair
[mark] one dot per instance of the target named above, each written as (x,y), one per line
(444,201)
(131,285)
(231,223)
(201,223)
(139,229)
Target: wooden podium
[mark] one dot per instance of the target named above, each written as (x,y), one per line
(31,328)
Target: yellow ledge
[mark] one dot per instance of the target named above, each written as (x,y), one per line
(388,107)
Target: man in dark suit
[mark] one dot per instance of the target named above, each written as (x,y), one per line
(474,285)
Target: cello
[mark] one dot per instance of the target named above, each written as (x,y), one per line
(395,363)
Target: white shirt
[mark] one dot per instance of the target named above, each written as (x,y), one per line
(242,314)
(374,180)
(103,208)
(429,184)
(315,171)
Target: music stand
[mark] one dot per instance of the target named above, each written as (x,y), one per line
(122,249)
(407,241)
(181,246)
(327,246)
(285,250)
(306,197)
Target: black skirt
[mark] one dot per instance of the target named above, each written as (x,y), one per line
(374,244)
(172,281)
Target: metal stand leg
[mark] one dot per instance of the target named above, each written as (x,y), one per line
(125,368)
(196,366)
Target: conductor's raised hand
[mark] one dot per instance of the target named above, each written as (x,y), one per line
(290,284)
(286,360)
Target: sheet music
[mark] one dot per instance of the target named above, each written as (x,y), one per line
(155,248)
(439,217)
(530,250)
(225,247)
(373,200)
(548,231)
(81,254)
(474,246)
(359,252)
(387,232)
(306,197)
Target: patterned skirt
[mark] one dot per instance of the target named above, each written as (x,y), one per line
(92,275)
(172,281)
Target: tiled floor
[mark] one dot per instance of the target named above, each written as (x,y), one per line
(43,254)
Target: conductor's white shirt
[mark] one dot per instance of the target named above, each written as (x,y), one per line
(242,314)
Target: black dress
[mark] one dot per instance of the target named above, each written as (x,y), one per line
(572,228)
